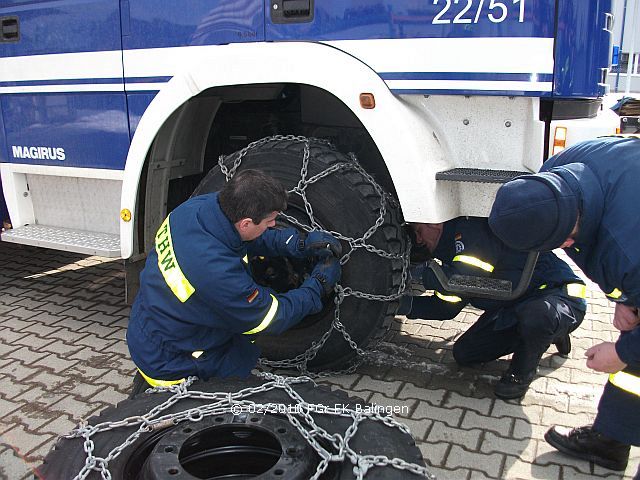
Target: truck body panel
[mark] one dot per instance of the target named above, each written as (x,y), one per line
(126,110)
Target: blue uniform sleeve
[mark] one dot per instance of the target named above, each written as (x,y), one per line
(628,347)
(434,308)
(476,252)
(478,249)
(276,243)
(627,268)
(249,308)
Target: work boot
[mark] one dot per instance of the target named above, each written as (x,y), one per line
(564,345)
(513,385)
(139,385)
(586,443)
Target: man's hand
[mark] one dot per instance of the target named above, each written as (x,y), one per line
(625,318)
(604,358)
(321,243)
(328,273)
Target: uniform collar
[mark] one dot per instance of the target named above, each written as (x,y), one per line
(220,226)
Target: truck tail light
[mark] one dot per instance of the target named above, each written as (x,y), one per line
(559,140)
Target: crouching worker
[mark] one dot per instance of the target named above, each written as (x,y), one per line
(585,200)
(551,308)
(198,307)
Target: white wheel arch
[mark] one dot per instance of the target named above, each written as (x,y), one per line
(403,136)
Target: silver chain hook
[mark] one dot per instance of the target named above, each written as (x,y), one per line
(227,402)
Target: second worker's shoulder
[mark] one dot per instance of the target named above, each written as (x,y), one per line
(473,227)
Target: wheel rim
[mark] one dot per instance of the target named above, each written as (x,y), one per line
(263,447)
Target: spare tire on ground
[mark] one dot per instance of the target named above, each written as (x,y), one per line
(329,191)
(232,428)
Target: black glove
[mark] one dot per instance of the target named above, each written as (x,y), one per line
(328,273)
(319,244)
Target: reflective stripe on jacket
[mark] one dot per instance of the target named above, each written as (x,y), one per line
(468,247)
(626,381)
(197,295)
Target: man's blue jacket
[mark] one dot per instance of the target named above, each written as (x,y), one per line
(468,247)
(605,175)
(198,305)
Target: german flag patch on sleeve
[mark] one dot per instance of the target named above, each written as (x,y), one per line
(253,296)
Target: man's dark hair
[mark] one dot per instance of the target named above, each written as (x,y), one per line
(252,194)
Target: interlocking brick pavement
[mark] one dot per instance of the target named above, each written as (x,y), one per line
(63,357)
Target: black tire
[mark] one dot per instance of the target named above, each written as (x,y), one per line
(344,202)
(266,446)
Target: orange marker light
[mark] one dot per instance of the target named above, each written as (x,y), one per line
(559,140)
(367,101)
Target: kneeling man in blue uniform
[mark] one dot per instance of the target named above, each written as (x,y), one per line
(585,200)
(552,307)
(198,307)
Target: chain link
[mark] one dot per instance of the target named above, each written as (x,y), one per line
(301,418)
(300,362)
(329,447)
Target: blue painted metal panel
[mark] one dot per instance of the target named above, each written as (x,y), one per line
(583,47)
(3,142)
(335,20)
(138,103)
(69,82)
(91,128)
(491,77)
(353,20)
(522,77)
(4,213)
(63,26)
(461,91)
(167,23)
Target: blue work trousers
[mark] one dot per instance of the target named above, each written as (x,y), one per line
(525,329)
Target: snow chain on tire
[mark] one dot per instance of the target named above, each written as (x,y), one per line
(300,362)
(329,447)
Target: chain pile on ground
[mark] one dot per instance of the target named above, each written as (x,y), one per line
(330,447)
(300,417)
(341,292)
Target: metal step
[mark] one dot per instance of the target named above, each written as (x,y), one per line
(483,287)
(91,243)
(478,175)
(477,286)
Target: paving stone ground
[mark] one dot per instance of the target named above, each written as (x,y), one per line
(63,357)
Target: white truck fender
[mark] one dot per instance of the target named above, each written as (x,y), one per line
(404,137)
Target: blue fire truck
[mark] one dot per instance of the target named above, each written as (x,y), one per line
(115,111)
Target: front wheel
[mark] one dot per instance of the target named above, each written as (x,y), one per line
(330,191)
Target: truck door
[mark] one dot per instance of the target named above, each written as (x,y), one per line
(61,83)
(159,35)
(499,47)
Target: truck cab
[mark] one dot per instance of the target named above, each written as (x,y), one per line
(114,110)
